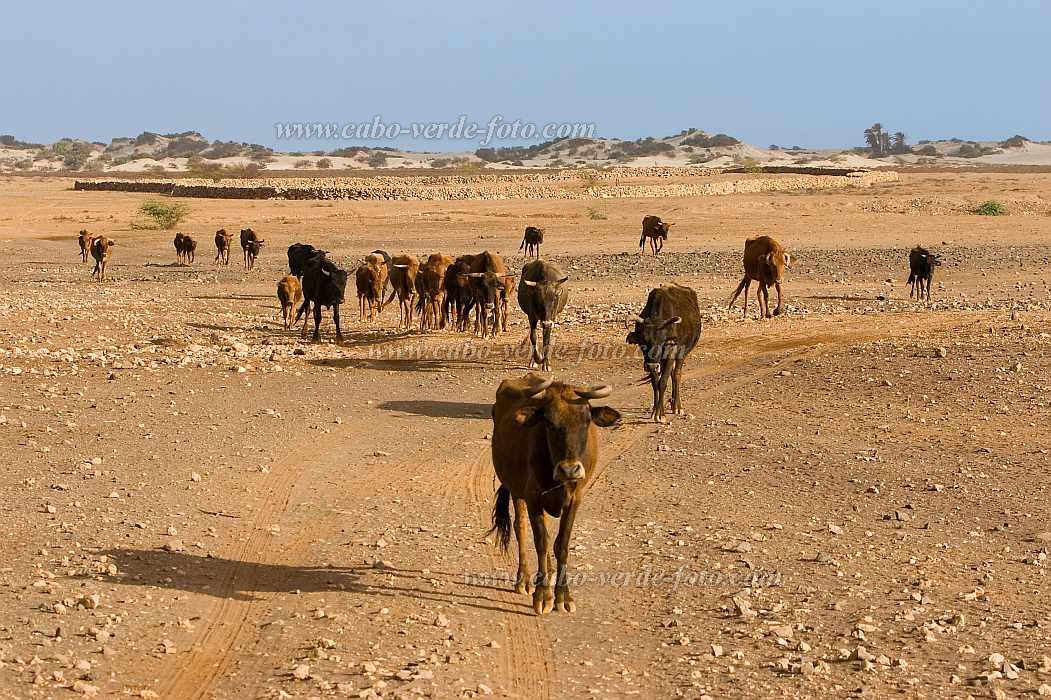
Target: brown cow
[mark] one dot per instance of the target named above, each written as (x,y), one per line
(430,288)
(655,230)
(101,250)
(403,271)
(765,261)
(289,293)
(371,278)
(85,238)
(531,241)
(251,244)
(545,447)
(223,242)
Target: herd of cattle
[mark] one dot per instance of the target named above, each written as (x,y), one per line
(545,437)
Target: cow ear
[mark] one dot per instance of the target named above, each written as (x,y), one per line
(632,338)
(527,415)
(604,416)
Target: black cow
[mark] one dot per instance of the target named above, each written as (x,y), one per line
(299,254)
(921,272)
(324,284)
(666,332)
(459,297)
(251,244)
(542,296)
(531,241)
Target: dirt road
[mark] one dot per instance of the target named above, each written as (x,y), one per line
(199,504)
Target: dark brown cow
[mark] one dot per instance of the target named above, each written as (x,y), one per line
(459,299)
(545,447)
(289,293)
(430,288)
(491,285)
(185,248)
(84,239)
(101,250)
(223,242)
(921,272)
(403,271)
(542,296)
(765,261)
(656,231)
(666,332)
(531,241)
(251,244)
(371,279)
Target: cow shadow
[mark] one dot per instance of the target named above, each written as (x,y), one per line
(397,365)
(244,580)
(440,409)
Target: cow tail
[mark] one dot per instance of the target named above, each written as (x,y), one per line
(521,247)
(740,288)
(502,518)
(642,239)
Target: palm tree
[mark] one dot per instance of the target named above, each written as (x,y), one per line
(874,138)
(898,143)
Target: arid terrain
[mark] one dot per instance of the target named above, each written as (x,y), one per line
(200,504)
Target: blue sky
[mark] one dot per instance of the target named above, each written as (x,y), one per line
(812,73)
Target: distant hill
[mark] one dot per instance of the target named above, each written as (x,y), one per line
(190,151)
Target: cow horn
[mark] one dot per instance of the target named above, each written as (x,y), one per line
(476,274)
(529,283)
(400,267)
(536,387)
(640,319)
(325,272)
(599,391)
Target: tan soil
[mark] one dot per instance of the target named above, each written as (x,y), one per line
(243,512)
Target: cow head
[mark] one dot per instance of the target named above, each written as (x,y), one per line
(566,415)
(657,338)
(487,288)
(337,278)
(548,294)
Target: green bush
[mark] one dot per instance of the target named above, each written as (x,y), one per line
(596,215)
(926,150)
(704,141)
(324,164)
(377,160)
(162,216)
(244,171)
(302,164)
(991,208)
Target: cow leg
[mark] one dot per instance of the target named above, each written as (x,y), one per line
(928,290)
(546,364)
(676,388)
(655,386)
(747,284)
(777,286)
(765,306)
(523,579)
(335,319)
(563,599)
(662,389)
(543,600)
(304,311)
(534,354)
(317,322)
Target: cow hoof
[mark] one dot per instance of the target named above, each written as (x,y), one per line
(564,602)
(777,311)
(543,601)
(524,585)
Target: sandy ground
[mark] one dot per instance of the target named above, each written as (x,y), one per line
(200,504)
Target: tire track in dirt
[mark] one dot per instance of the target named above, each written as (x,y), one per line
(212,655)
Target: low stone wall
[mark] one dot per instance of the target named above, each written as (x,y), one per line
(566,184)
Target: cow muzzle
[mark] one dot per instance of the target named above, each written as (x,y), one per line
(547,324)
(568,470)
